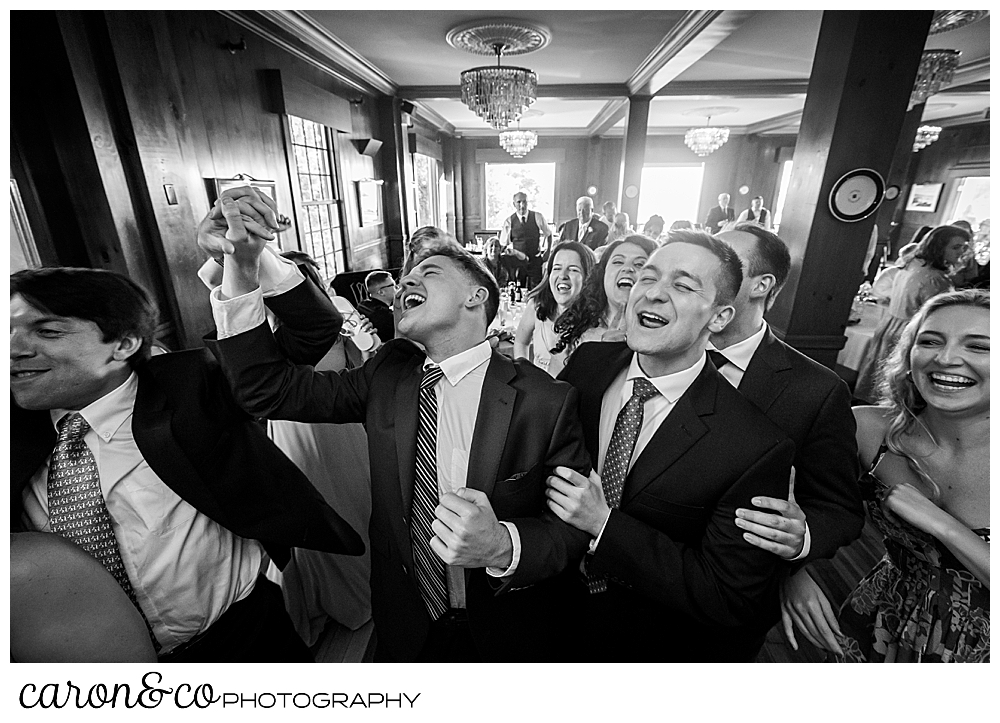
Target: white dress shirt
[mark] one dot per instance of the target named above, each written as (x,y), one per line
(186,570)
(670,387)
(739,356)
(458,408)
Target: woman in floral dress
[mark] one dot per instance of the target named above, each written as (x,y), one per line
(926,449)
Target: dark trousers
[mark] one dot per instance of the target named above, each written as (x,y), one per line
(256,629)
(449,641)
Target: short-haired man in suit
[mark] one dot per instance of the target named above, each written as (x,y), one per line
(586,228)
(719,215)
(148,464)
(807,400)
(524,240)
(678,450)
(461,439)
(378,306)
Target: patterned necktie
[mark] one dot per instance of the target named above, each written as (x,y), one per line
(430,569)
(718,358)
(619,453)
(76,504)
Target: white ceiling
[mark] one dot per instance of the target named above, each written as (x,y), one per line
(591,47)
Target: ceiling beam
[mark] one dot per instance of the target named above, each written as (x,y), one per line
(965,118)
(773,124)
(296,33)
(972,72)
(566,91)
(737,88)
(695,35)
(432,118)
(612,112)
(980,86)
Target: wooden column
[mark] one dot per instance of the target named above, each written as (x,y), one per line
(862,75)
(472,203)
(393,158)
(891,212)
(633,155)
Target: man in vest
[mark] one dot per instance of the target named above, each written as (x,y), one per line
(524,238)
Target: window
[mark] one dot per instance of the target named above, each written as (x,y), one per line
(672,191)
(972,201)
(318,209)
(786,177)
(503,180)
(426,190)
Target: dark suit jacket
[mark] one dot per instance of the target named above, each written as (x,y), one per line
(716,215)
(526,425)
(597,233)
(813,407)
(380,316)
(683,583)
(211,453)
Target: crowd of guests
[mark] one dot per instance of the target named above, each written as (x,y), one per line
(653,462)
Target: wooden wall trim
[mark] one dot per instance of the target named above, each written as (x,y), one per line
(293,96)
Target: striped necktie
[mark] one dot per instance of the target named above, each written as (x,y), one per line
(430,569)
(619,454)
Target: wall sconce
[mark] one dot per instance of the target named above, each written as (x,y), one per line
(234,48)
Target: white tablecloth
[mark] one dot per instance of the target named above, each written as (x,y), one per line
(859,336)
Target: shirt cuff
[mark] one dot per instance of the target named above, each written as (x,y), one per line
(277,274)
(239,314)
(592,548)
(806,544)
(515,540)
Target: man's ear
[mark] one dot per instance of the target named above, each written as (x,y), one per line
(762,286)
(126,347)
(478,296)
(720,320)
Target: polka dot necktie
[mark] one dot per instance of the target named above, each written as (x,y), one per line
(76,504)
(620,449)
(430,569)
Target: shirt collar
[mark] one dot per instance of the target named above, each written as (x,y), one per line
(671,386)
(107,414)
(457,367)
(740,353)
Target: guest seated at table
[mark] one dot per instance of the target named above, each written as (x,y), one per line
(653,228)
(621,228)
(924,276)
(598,313)
(926,449)
(378,306)
(882,285)
(568,267)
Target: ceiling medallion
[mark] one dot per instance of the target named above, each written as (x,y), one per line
(925,136)
(937,68)
(501,94)
(707,139)
(480,37)
(945,20)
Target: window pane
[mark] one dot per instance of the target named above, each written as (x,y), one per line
(305,188)
(298,135)
(670,191)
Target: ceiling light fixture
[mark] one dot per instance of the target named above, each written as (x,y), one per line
(937,68)
(925,136)
(518,143)
(945,20)
(499,94)
(707,139)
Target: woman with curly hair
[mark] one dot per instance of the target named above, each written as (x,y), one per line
(569,265)
(923,276)
(926,449)
(598,314)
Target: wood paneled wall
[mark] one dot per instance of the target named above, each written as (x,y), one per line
(960,152)
(162,103)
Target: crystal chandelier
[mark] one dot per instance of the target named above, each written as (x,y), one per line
(706,139)
(518,143)
(937,68)
(945,20)
(499,95)
(925,136)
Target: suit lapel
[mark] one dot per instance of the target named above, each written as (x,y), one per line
(496,406)
(764,381)
(682,428)
(598,378)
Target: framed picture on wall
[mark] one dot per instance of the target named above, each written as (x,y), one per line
(369,192)
(924,197)
(215,186)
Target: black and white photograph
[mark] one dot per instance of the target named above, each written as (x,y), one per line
(540,352)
